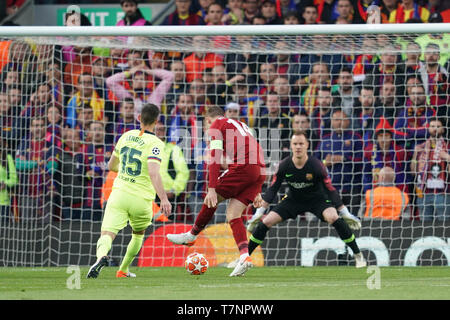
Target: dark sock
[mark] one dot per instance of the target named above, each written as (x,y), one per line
(204,216)
(257,237)
(346,234)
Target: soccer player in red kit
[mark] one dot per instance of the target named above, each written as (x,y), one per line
(241,182)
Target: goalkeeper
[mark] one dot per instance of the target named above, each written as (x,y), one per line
(310,190)
(136,158)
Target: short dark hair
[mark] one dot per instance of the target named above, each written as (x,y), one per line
(324,88)
(214,111)
(299,133)
(149,113)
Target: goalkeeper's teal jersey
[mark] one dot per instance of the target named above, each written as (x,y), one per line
(135,149)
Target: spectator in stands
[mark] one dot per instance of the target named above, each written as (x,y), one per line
(430,165)
(233,13)
(9,113)
(289,103)
(412,58)
(214,17)
(174,171)
(284,7)
(95,158)
(321,116)
(183,16)
(334,61)
(54,78)
(203,10)
(101,70)
(269,12)
(31,164)
(86,95)
(23,65)
(198,180)
(274,126)
(36,107)
(197,90)
(138,89)
(245,63)
(320,76)
(118,57)
(126,120)
(183,125)
(250,10)
(411,82)
(258,20)
(53,136)
(286,64)
(200,58)
(134,58)
(310,14)
(341,152)
(386,200)
(214,14)
(413,120)
(85,115)
(73,181)
(407,9)
(382,152)
(345,93)
(366,117)
(252,105)
(302,122)
(360,13)
(291,17)
(436,6)
(326,11)
(387,103)
(435,80)
(178,86)
(8,179)
(388,69)
(80,64)
(386,7)
(133,16)
(266,76)
(345,11)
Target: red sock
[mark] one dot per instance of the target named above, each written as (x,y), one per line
(204,216)
(240,235)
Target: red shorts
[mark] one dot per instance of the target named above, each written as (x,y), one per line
(241,182)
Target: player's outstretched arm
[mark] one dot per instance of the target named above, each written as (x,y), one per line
(155,177)
(113,163)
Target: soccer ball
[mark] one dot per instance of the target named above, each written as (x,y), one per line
(196,263)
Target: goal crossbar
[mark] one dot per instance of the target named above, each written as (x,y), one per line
(256,30)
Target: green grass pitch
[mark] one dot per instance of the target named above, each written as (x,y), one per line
(271,283)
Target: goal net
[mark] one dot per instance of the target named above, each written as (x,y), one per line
(373,102)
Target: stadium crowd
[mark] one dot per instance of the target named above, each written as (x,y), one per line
(62,108)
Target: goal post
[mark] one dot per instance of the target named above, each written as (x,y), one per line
(68,93)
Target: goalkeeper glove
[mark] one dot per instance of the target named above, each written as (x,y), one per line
(255,219)
(353,222)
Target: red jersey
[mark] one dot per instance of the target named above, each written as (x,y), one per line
(234,140)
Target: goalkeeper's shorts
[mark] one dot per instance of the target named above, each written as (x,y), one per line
(289,208)
(122,208)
